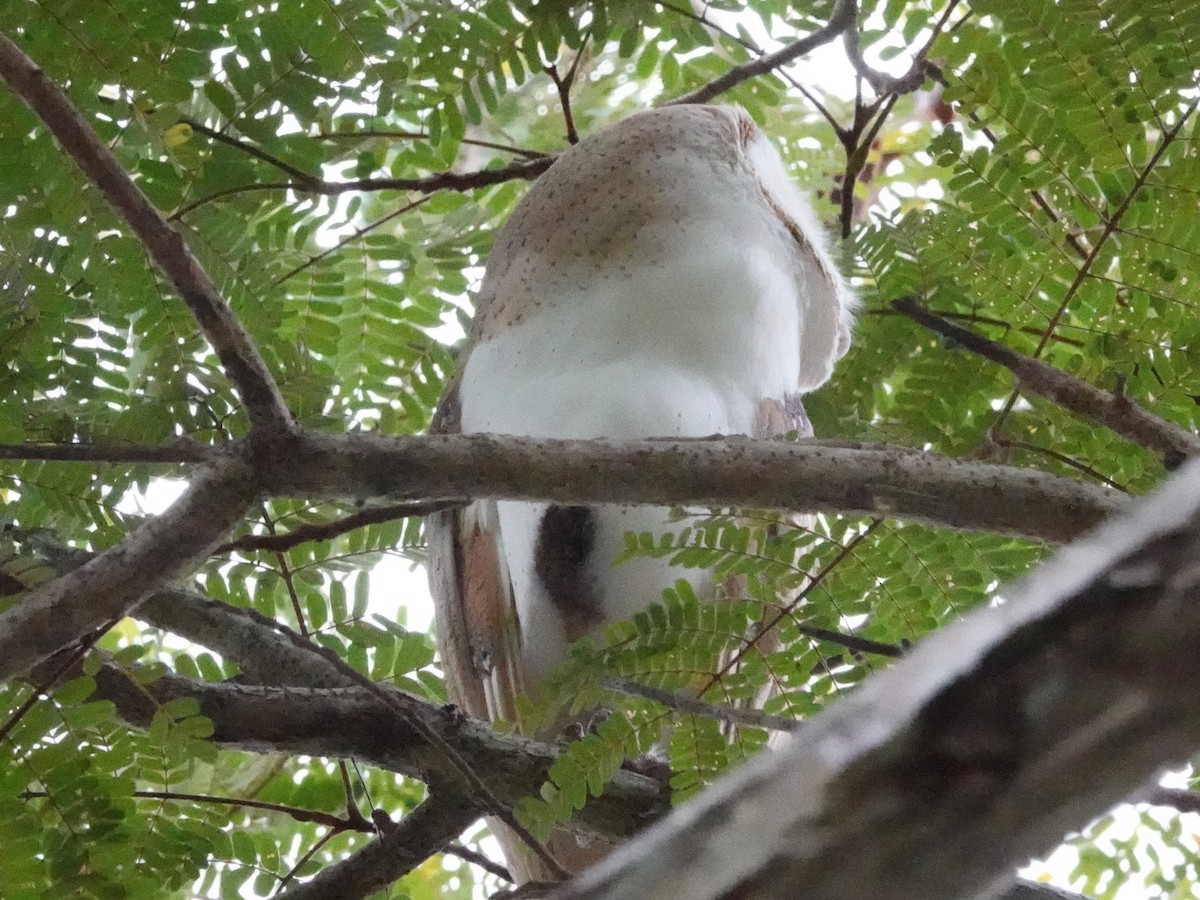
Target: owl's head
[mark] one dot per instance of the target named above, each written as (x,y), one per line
(626,194)
(830,315)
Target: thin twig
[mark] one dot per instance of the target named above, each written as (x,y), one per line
(563,86)
(297,813)
(1111,223)
(249,149)
(286,576)
(682,701)
(182,450)
(842,18)
(312,851)
(977,319)
(478,859)
(354,236)
(424,136)
(1115,411)
(327,531)
(1087,470)
(527,169)
(851,642)
(72,656)
(843,554)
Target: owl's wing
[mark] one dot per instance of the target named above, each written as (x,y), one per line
(478,634)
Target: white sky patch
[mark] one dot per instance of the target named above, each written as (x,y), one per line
(160,493)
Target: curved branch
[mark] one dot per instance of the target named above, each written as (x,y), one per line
(1115,411)
(882,83)
(527,169)
(115,581)
(809,476)
(842,18)
(234,347)
(420,834)
(354,722)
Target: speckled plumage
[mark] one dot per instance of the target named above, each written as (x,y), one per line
(663,278)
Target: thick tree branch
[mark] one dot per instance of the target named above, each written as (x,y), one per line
(236,349)
(980,748)
(1115,411)
(353,722)
(806,476)
(840,19)
(262,648)
(115,581)
(1029,890)
(419,835)
(267,652)
(431,472)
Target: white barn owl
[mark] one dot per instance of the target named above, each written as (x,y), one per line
(663,278)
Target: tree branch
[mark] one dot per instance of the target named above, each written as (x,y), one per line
(353,722)
(1181,800)
(682,701)
(527,169)
(1114,411)
(882,83)
(829,476)
(978,749)
(325,531)
(840,19)
(115,581)
(236,349)
(419,835)
(266,651)
(182,450)
(478,859)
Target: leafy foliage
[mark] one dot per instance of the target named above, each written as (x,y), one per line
(1047,196)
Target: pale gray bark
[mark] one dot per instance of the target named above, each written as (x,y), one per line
(805,476)
(353,722)
(982,747)
(114,582)
(419,835)
(1115,411)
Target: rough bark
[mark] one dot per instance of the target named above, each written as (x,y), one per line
(351,722)
(982,747)
(115,581)
(806,476)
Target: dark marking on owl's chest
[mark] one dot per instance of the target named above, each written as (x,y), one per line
(565,540)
